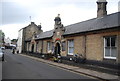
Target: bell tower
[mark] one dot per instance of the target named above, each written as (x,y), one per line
(57,21)
(58,29)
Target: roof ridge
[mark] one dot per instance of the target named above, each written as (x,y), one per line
(81,22)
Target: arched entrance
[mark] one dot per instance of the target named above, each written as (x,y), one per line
(57,49)
(32,49)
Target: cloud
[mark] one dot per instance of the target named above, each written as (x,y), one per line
(11,30)
(70,14)
(15,13)
(112,6)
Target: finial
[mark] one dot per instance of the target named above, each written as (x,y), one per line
(57,20)
(30,18)
(58,15)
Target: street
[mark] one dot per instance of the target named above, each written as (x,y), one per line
(16,66)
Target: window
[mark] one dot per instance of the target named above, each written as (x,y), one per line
(63,46)
(52,46)
(37,46)
(110,48)
(48,46)
(28,46)
(70,47)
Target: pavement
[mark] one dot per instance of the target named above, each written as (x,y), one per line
(88,72)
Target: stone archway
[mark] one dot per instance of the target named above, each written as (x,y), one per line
(32,48)
(57,49)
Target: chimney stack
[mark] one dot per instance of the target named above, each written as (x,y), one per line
(40,26)
(32,23)
(101,8)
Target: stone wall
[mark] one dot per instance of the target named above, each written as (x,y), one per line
(28,34)
(45,45)
(95,45)
(31,29)
(39,49)
(92,45)
(79,45)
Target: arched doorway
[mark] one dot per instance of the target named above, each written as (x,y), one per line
(57,49)
(32,49)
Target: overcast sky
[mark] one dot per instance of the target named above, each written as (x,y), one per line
(16,13)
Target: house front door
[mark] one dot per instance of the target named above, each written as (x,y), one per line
(32,50)
(57,49)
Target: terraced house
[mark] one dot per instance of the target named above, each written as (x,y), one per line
(97,39)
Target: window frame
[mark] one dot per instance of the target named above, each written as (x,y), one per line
(63,45)
(110,55)
(72,47)
(48,46)
(37,42)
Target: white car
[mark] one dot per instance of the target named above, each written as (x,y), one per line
(3,48)
(1,55)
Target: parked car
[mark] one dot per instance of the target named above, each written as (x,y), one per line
(1,55)
(3,48)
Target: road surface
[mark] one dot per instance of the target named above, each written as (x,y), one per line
(16,66)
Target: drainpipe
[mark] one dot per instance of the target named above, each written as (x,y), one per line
(23,41)
(118,49)
(42,47)
(85,45)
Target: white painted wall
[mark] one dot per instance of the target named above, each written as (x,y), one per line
(7,40)
(19,42)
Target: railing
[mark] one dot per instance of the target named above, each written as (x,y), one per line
(40,55)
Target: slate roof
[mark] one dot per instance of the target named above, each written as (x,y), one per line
(109,21)
(46,34)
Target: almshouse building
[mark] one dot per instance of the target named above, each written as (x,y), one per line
(97,39)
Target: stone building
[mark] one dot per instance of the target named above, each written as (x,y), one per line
(27,33)
(97,39)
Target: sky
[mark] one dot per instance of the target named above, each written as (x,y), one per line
(16,13)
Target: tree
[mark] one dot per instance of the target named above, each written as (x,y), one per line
(2,36)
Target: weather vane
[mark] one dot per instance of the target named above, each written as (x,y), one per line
(30,18)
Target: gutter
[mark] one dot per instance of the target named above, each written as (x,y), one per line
(116,28)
